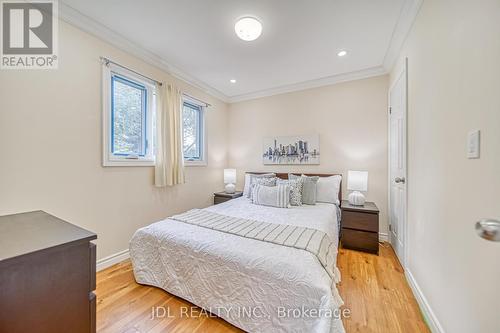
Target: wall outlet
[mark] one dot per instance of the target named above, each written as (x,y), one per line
(473,144)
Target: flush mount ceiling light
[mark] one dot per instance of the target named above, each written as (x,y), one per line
(248,28)
(342,53)
(232,81)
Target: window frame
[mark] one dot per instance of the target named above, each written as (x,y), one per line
(109,158)
(202,130)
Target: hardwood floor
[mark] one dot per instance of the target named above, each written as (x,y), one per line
(373,288)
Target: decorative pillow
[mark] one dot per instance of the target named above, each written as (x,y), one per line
(295,190)
(309,188)
(248,182)
(264,181)
(274,196)
(328,189)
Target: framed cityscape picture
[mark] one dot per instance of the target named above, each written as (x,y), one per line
(301,149)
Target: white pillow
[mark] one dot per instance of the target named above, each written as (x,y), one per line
(247,189)
(274,196)
(327,189)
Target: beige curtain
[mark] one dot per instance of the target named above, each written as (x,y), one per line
(169,167)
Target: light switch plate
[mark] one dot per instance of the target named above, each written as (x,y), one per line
(473,144)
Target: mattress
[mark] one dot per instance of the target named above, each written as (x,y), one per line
(254,285)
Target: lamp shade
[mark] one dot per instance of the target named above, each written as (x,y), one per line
(229,176)
(357,181)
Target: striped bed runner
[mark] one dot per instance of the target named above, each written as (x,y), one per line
(311,240)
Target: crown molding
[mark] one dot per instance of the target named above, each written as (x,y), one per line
(405,21)
(87,24)
(403,27)
(325,81)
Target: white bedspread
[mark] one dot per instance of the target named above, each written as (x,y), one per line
(237,278)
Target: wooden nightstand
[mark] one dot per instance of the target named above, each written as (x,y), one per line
(360,227)
(220,197)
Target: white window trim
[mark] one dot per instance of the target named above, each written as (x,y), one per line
(204,153)
(108,159)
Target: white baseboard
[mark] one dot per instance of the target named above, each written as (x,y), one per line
(112,260)
(383,237)
(426,309)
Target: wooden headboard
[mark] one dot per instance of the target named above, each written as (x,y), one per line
(283,175)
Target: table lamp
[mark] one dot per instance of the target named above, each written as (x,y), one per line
(357,181)
(230,180)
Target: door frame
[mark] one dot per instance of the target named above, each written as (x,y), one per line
(402,73)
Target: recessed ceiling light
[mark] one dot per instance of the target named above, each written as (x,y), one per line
(342,53)
(248,28)
(232,81)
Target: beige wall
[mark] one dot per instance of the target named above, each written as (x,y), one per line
(50,144)
(350,118)
(453,53)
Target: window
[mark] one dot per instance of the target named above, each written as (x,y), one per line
(128,118)
(193,133)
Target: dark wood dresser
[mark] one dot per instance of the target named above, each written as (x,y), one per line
(360,227)
(47,275)
(220,197)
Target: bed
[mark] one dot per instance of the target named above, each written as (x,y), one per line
(255,285)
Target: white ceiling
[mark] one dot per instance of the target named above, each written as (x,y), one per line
(195,39)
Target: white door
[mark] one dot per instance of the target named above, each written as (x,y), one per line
(397,166)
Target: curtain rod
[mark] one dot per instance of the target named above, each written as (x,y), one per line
(197,100)
(108,61)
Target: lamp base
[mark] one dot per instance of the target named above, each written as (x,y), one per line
(356,198)
(230,188)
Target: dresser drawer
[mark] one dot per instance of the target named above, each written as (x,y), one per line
(92,308)
(218,200)
(360,240)
(360,220)
(92,268)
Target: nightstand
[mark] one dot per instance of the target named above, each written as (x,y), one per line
(220,197)
(360,227)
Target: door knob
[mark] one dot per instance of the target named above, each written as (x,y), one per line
(399,180)
(489,229)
